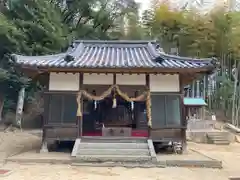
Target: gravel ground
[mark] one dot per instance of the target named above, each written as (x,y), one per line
(229,155)
(16,142)
(65,172)
(12,143)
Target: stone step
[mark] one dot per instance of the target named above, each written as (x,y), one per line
(127,152)
(223,142)
(220,140)
(85,145)
(112,158)
(114,140)
(218,137)
(223,133)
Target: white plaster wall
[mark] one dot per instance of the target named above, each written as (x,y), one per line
(164,83)
(64,82)
(100,79)
(134,79)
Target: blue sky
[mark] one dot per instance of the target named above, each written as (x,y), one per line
(144,4)
(208,4)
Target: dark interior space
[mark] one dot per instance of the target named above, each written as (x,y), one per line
(98,114)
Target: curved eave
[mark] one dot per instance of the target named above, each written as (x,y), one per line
(121,70)
(53,62)
(212,61)
(21,59)
(158,63)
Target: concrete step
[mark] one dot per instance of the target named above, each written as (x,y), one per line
(126,152)
(112,158)
(85,145)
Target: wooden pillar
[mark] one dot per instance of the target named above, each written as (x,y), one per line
(114,79)
(188,92)
(183,114)
(204,86)
(193,89)
(136,111)
(80,118)
(198,89)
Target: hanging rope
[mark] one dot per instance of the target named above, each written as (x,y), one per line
(79,109)
(91,97)
(148,107)
(98,98)
(144,96)
(127,98)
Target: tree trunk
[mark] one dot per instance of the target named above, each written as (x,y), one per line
(19,109)
(237,114)
(234,96)
(1,106)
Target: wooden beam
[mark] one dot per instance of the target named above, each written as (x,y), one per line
(120,70)
(187,78)
(60,92)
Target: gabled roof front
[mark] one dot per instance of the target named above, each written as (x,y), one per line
(113,54)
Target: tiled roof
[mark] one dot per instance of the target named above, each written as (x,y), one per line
(113,54)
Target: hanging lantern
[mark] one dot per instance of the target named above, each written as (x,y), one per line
(114,100)
(132,105)
(114,103)
(95,105)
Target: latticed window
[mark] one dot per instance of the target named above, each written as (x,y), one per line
(165,110)
(62,109)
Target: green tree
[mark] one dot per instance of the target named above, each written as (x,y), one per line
(29,27)
(38,27)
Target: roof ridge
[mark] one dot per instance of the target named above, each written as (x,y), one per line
(116,41)
(181,58)
(40,56)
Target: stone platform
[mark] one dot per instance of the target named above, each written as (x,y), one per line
(189,159)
